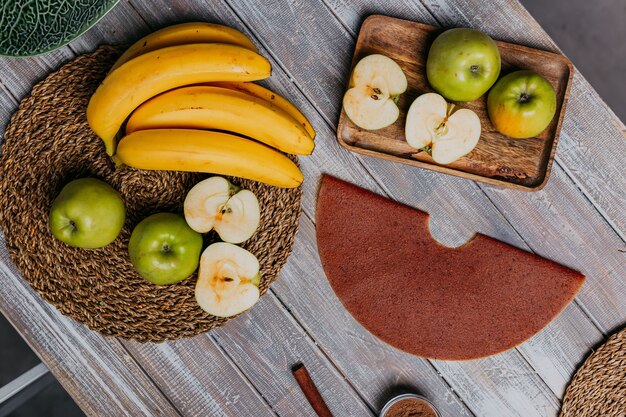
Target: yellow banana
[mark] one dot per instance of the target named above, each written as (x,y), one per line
(268,95)
(185,33)
(124,89)
(204,107)
(207,151)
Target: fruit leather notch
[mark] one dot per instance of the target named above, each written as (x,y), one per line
(427,299)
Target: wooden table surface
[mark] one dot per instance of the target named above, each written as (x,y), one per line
(243,369)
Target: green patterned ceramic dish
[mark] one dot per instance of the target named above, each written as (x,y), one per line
(32,27)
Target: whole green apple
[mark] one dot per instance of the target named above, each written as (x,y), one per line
(87,213)
(164,249)
(521,104)
(462,64)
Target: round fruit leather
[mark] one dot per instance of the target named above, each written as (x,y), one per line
(427,299)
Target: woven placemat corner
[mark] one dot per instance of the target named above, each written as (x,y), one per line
(49,143)
(598,388)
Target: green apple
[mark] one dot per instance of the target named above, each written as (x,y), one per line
(462,64)
(87,213)
(521,104)
(164,249)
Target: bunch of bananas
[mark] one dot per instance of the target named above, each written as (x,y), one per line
(186,95)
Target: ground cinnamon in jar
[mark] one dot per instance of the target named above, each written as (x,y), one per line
(410,407)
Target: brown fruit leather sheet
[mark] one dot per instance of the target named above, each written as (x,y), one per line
(427,299)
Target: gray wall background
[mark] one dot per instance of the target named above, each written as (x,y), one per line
(592,33)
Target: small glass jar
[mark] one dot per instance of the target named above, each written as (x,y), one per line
(399,398)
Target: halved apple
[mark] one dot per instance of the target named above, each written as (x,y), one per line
(228,280)
(217,204)
(376,83)
(437,127)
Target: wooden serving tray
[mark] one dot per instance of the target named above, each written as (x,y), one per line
(497,159)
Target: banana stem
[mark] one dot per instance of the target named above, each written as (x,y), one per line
(117,161)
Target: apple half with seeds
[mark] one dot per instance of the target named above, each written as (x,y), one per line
(228,280)
(375,86)
(217,204)
(445,132)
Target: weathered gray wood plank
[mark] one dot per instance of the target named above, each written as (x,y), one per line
(343,397)
(97,372)
(572,333)
(8,105)
(553,218)
(397,177)
(561,347)
(199,378)
(382,366)
(173,358)
(578,239)
(212,399)
(573,329)
(318,150)
(351,13)
(423,191)
(345,166)
(266,347)
(19,74)
(328,52)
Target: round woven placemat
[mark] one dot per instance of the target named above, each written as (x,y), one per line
(599,386)
(47,144)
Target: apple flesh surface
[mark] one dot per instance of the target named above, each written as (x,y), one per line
(375,85)
(462,64)
(521,104)
(228,281)
(435,126)
(164,249)
(217,204)
(87,213)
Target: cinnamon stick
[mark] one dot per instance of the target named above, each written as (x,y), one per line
(310,391)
